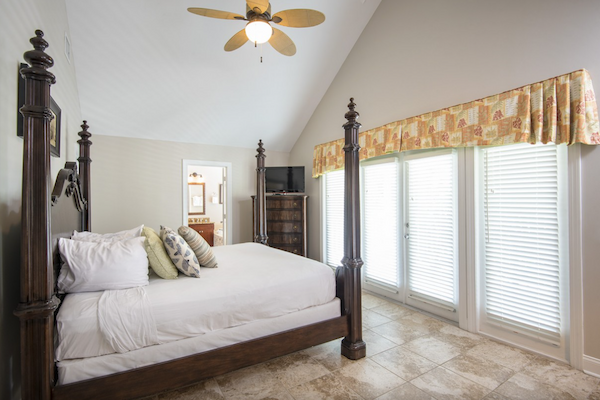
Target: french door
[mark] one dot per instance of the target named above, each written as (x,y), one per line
(430,232)
(409,230)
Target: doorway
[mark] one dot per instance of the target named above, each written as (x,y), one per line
(207,197)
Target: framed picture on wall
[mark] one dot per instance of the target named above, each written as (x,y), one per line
(20,100)
(55,129)
(54,109)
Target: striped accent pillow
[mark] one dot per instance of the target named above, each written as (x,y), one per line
(201,248)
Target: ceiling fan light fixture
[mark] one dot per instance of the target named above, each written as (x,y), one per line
(259,31)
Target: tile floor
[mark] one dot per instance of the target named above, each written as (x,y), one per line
(409,356)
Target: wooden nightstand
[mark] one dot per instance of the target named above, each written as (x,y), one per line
(206,230)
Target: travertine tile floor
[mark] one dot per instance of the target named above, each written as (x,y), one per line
(409,356)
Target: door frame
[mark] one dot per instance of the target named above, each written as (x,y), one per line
(227,210)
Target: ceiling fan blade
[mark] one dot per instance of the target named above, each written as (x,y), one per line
(262,5)
(236,41)
(282,43)
(206,12)
(299,18)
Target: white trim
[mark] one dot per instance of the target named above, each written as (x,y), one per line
(323,216)
(591,365)
(229,201)
(468,309)
(575,259)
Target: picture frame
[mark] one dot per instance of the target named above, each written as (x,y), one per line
(20,99)
(55,128)
(55,124)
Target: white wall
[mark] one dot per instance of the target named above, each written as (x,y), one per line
(420,56)
(139,181)
(18,21)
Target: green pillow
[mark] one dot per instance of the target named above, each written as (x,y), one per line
(160,262)
(200,247)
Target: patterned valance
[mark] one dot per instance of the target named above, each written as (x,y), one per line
(559,110)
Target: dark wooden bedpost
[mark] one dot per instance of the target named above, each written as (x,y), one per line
(84,172)
(37,302)
(353,346)
(261,207)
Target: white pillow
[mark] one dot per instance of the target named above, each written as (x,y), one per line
(108,237)
(90,266)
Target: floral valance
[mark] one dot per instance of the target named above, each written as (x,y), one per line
(559,110)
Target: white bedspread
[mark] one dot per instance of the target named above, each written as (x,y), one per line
(126,320)
(252,282)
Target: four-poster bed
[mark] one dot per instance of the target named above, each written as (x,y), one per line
(47,216)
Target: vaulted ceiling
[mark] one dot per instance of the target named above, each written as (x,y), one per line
(150,69)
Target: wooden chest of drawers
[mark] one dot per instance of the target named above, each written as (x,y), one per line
(206,230)
(286,223)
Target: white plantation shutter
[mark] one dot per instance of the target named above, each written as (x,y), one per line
(334,218)
(523,240)
(380,224)
(431,231)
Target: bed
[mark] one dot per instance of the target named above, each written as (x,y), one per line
(186,352)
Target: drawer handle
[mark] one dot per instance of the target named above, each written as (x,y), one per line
(295,239)
(295,227)
(296,251)
(295,204)
(200,231)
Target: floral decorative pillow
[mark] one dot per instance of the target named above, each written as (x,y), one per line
(180,252)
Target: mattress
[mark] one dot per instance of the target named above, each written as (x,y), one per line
(70,371)
(252,283)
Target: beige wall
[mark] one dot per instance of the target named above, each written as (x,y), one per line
(420,56)
(139,181)
(18,21)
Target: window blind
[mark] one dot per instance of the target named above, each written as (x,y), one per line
(431,229)
(334,218)
(523,240)
(380,224)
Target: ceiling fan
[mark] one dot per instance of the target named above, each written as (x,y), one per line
(259,30)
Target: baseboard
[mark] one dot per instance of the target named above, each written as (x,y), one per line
(591,366)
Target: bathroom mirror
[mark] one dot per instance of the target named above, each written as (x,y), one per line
(196,198)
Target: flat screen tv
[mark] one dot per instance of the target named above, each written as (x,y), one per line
(284,179)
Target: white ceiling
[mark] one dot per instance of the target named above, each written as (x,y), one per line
(150,69)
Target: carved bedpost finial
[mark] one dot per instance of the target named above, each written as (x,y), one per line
(38,59)
(352,115)
(260,150)
(84,134)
